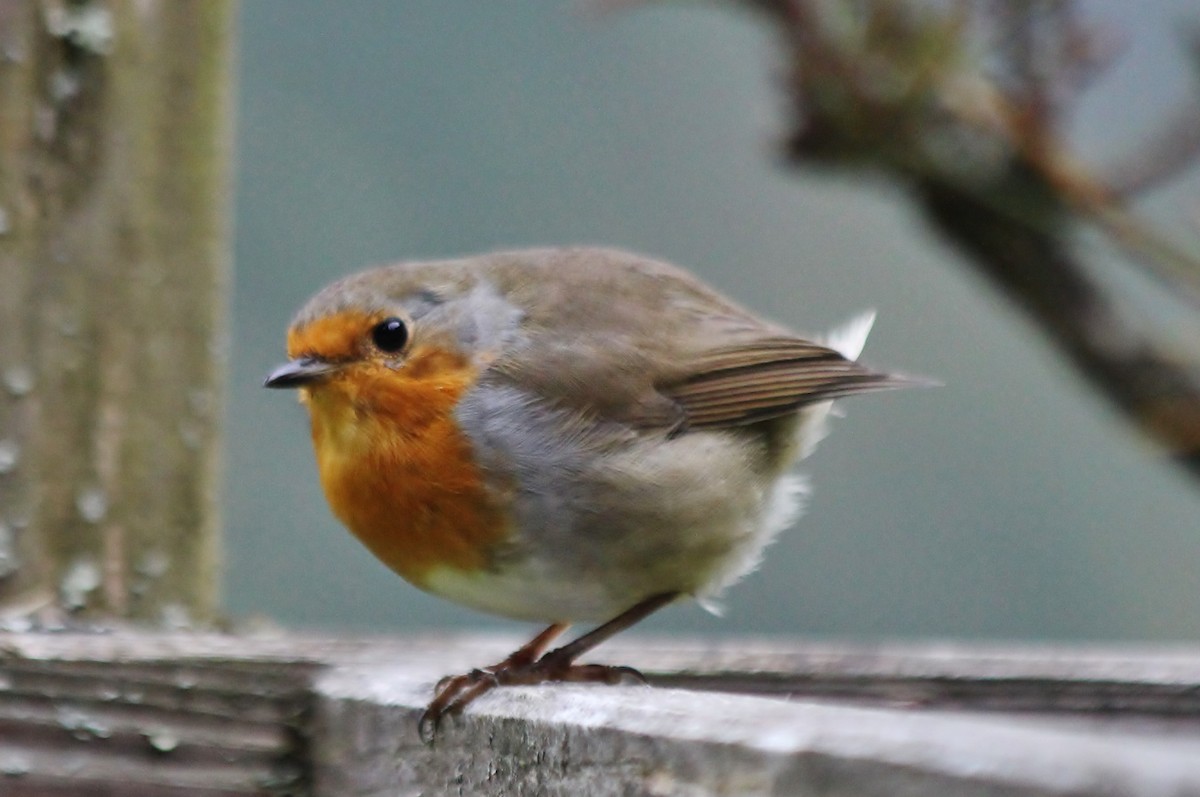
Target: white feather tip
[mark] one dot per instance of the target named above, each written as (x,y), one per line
(848,339)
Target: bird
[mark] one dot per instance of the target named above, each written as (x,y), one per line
(560,435)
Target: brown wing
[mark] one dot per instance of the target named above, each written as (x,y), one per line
(618,338)
(770,378)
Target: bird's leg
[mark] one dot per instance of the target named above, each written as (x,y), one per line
(450,689)
(559,664)
(529,665)
(522,657)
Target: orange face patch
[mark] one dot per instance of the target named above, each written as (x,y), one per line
(394,465)
(335,337)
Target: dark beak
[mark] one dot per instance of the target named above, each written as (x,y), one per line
(300,372)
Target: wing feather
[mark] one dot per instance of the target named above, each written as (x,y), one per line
(770,378)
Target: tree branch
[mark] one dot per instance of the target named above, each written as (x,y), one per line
(904,88)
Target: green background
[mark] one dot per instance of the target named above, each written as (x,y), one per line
(1010,503)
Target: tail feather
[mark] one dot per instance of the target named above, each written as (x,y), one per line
(849,338)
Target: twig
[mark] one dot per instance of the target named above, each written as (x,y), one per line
(976,136)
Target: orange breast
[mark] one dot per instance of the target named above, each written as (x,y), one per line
(396,469)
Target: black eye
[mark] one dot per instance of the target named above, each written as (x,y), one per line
(390,335)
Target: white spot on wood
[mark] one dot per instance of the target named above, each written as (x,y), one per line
(153,564)
(18,380)
(81,725)
(88,26)
(92,504)
(8,554)
(161,741)
(82,578)
(175,617)
(10,455)
(13,765)
(64,84)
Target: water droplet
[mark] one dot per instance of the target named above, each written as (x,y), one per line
(97,729)
(8,554)
(6,682)
(81,579)
(81,725)
(92,504)
(88,27)
(10,455)
(18,624)
(13,765)
(19,516)
(18,380)
(161,740)
(64,84)
(153,564)
(175,617)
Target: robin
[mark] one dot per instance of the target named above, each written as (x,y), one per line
(560,435)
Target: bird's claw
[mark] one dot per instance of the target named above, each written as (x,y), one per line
(454,693)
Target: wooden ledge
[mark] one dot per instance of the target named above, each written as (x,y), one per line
(140,714)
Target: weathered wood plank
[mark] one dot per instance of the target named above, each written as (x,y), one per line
(569,740)
(583,741)
(137,713)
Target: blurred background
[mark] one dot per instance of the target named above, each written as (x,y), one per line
(1010,503)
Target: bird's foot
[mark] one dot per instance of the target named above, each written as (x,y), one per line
(530,665)
(454,693)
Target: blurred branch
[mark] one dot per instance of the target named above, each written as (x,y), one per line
(1171,149)
(962,103)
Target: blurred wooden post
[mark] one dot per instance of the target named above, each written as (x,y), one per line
(114,264)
